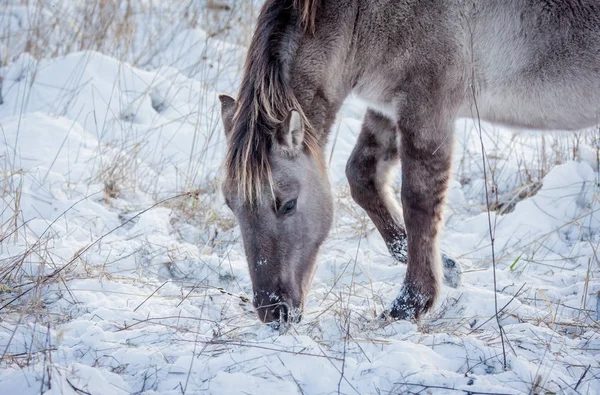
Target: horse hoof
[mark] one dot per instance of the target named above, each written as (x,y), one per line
(397,314)
(452,272)
(408,305)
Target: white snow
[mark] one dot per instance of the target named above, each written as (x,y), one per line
(122,271)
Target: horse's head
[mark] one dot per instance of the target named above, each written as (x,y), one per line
(284,228)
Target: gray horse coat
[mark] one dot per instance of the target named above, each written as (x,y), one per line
(420,64)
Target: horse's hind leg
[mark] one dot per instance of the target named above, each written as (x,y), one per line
(369,168)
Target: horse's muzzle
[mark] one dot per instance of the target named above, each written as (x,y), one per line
(277,313)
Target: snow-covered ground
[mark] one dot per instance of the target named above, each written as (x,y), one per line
(121,270)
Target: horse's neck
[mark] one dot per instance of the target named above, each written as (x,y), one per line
(346,53)
(323,67)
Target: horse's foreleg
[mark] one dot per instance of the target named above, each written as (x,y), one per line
(369,169)
(426,155)
(376,154)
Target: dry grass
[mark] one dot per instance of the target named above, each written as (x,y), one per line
(31,274)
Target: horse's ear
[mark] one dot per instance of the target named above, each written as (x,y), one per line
(290,137)
(227,112)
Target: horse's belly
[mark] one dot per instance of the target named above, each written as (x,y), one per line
(548,109)
(534,67)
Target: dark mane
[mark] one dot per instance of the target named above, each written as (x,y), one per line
(266,96)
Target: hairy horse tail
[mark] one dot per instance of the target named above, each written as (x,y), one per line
(308,13)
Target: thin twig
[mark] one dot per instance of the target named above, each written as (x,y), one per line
(582,376)
(78,390)
(155,291)
(489,215)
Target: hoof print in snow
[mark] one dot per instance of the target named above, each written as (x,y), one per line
(158,102)
(128,117)
(452,271)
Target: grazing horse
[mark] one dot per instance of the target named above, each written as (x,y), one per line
(419,64)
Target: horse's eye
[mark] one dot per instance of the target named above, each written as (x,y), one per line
(288,207)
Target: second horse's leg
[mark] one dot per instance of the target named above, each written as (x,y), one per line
(376,154)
